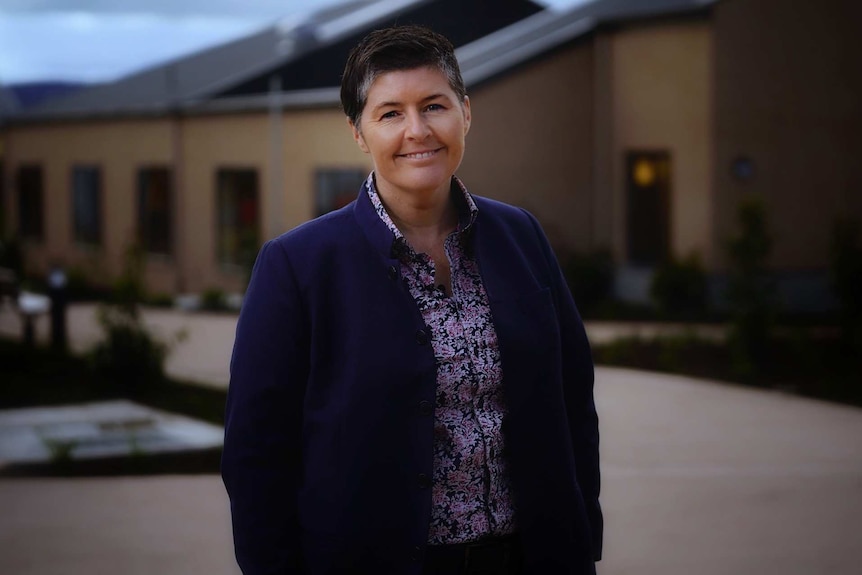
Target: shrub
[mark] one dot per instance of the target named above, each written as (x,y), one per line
(12,256)
(213,299)
(160,300)
(679,288)
(129,355)
(79,287)
(590,277)
(846,276)
(750,291)
(128,290)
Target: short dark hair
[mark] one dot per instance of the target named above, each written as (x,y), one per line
(391,49)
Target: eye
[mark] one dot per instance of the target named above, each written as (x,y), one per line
(435,107)
(389,115)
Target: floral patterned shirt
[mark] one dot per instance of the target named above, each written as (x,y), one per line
(471,492)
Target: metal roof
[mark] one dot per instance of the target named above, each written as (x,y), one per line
(193,85)
(8,103)
(198,76)
(538,34)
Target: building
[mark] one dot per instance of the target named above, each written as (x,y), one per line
(635,126)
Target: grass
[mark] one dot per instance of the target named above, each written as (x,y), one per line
(41,377)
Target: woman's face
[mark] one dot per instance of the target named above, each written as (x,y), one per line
(413,126)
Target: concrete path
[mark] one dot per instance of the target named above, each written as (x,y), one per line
(203,356)
(699,478)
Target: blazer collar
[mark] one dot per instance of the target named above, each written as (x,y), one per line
(377,233)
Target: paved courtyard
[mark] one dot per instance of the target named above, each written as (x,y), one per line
(699,478)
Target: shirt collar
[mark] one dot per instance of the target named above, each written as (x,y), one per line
(467,209)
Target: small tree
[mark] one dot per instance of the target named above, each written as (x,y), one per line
(750,291)
(846,276)
(129,292)
(129,355)
(590,277)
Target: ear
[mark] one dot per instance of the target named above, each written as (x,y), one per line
(468,115)
(357,136)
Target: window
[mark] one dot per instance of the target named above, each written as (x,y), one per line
(237,205)
(87,205)
(335,188)
(154,210)
(30,203)
(648,221)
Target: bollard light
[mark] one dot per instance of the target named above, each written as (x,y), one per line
(58,293)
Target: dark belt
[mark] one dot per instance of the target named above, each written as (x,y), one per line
(493,556)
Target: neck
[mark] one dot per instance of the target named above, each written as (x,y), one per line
(431,214)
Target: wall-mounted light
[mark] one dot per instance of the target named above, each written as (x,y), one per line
(644,173)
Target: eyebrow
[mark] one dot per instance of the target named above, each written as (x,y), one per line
(394,104)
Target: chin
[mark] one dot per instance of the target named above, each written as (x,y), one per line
(423,182)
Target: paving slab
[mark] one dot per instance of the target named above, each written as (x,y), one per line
(117,428)
(711,478)
(169,525)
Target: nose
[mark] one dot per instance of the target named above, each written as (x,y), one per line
(417,126)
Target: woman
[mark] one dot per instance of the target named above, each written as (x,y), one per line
(411,385)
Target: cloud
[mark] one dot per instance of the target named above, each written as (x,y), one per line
(242,8)
(101,40)
(82,47)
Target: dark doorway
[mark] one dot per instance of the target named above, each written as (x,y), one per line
(648,215)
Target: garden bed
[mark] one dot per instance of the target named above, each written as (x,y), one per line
(802,361)
(41,377)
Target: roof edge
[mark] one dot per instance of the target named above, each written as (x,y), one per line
(480,60)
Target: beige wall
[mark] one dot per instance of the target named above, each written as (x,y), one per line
(530,143)
(119,149)
(314,140)
(659,87)
(208,144)
(309,140)
(788,94)
(202,144)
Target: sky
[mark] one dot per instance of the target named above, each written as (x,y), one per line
(102,40)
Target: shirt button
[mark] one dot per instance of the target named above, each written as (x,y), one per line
(425,408)
(392,272)
(421,337)
(424,481)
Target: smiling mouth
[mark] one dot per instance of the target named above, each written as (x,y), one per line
(421,155)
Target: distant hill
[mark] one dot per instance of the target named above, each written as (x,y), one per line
(33,94)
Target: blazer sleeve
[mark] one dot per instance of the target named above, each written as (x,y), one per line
(578,380)
(261,458)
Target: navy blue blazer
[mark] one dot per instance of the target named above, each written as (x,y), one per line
(327,452)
